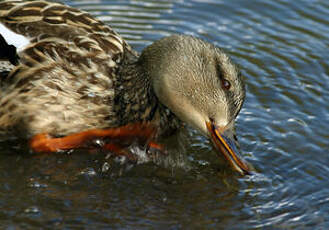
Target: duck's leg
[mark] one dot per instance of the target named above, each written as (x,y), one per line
(115,139)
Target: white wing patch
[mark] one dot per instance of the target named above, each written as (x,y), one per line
(12,38)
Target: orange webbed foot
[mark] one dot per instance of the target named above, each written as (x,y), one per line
(115,140)
(42,143)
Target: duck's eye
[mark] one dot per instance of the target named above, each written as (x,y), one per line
(226,84)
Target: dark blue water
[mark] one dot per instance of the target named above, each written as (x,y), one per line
(282,48)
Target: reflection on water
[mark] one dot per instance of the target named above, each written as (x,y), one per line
(282,49)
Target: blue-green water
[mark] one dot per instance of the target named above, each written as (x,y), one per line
(282,49)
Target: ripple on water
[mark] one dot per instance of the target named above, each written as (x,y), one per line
(282,49)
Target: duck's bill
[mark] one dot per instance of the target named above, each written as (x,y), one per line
(225,144)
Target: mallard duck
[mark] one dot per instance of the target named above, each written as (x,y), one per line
(77,80)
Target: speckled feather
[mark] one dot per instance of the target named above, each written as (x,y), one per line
(73,76)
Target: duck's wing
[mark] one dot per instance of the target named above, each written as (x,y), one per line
(69,63)
(56,33)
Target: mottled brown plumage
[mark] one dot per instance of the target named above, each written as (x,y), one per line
(78,74)
(64,83)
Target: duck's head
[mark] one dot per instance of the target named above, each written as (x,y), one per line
(198,82)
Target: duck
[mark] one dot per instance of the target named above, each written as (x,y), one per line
(76,80)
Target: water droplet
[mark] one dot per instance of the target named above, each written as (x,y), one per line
(105,167)
(32,209)
(88,172)
(120,159)
(36,184)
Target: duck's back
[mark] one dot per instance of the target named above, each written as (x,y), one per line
(64,80)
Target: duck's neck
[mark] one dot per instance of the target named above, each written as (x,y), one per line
(135,100)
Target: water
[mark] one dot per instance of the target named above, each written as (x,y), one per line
(282,49)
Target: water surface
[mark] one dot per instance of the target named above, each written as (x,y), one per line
(281,47)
